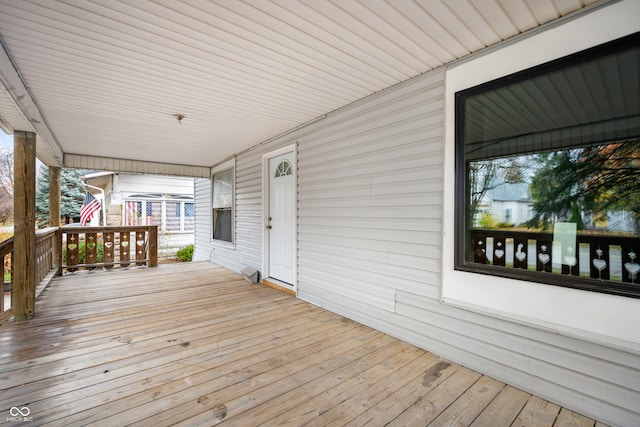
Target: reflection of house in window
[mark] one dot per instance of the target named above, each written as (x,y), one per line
(509,203)
(573,142)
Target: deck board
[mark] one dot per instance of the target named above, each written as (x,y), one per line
(194,344)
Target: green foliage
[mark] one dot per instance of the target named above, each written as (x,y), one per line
(82,253)
(576,217)
(72,195)
(591,179)
(552,188)
(488,221)
(185,254)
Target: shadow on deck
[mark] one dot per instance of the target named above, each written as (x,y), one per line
(194,344)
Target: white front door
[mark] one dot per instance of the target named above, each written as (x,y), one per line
(281,221)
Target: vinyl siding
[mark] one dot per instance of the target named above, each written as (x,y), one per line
(370,197)
(202,243)
(370,215)
(81,161)
(246,250)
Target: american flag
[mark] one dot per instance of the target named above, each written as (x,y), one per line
(132,213)
(89,206)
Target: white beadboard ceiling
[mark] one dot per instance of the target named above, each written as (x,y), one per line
(109,77)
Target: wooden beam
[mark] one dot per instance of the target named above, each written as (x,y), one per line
(153,246)
(54,196)
(24,246)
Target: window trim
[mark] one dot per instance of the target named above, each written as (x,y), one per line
(591,316)
(461,179)
(220,168)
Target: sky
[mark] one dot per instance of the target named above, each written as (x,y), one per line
(5,140)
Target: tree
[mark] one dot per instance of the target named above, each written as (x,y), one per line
(482,177)
(598,179)
(6,184)
(72,195)
(485,175)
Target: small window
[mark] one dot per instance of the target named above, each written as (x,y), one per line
(547,167)
(222,205)
(189,210)
(283,169)
(173,216)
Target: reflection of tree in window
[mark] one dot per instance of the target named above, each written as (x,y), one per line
(594,180)
(559,143)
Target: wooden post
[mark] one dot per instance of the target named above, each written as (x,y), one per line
(153,246)
(57,252)
(54,196)
(54,214)
(24,255)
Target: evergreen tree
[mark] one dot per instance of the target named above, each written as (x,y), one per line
(595,179)
(42,197)
(72,195)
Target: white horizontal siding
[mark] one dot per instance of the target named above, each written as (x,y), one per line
(370,194)
(172,185)
(369,198)
(81,161)
(202,243)
(370,202)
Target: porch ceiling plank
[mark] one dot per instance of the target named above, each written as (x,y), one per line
(20,110)
(106,79)
(194,343)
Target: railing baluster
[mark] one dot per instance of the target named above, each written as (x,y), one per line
(125,248)
(91,249)
(140,245)
(499,251)
(599,256)
(630,263)
(521,252)
(479,247)
(543,255)
(108,249)
(73,251)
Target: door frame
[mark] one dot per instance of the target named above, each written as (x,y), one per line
(291,148)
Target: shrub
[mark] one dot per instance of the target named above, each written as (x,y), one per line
(185,254)
(488,221)
(82,253)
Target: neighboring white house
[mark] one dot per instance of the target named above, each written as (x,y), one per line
(509,203)
(360,213)
(134,199)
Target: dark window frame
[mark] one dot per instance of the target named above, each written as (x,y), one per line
(462,190)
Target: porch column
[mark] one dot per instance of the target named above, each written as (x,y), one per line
(55,197)
(24,241)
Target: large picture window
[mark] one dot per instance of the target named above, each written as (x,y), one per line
(222,204)
(548,172)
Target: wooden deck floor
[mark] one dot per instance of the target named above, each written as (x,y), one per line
(193,344)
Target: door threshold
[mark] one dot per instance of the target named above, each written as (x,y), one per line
(281,286)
